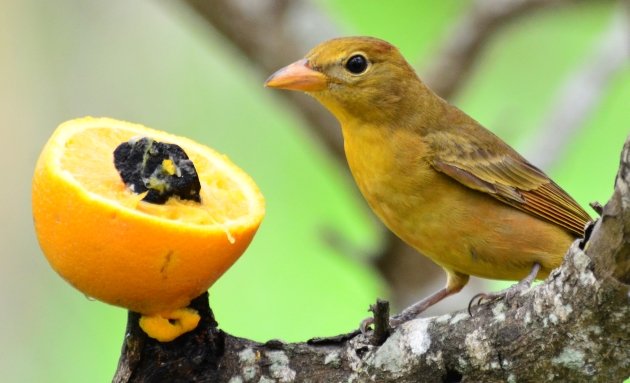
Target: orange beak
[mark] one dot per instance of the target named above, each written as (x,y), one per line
(297,76)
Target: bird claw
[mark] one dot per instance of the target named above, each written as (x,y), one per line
(368,322)
(365,325)
(506,294)
(510,292)
(480,298)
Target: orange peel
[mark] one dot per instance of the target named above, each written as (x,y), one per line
(102,239)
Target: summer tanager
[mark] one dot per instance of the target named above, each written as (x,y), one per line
(439,180)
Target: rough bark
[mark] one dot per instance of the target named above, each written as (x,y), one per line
(574,327)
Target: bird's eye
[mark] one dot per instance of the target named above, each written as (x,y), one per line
(357,64)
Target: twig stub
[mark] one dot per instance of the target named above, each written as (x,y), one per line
(382,328)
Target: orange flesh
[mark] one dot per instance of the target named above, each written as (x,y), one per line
(221,200)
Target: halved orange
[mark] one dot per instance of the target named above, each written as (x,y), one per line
(106,242)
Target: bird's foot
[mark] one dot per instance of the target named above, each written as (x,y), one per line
(380,321)
(367,323)
(505,294)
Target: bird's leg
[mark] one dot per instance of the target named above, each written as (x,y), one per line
(419,307)
(455,282)
(522,285)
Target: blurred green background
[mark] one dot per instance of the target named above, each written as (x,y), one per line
(147,62)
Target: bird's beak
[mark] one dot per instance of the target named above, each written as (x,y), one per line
(297,76)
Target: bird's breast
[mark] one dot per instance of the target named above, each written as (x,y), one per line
(392,172)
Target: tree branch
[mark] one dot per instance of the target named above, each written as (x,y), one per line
(574,327)
(465,43)
(582,91)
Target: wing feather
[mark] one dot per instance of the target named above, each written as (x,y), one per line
(508,177)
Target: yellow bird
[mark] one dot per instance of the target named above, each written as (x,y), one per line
(439,180)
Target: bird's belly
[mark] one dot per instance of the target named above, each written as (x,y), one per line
(458,228)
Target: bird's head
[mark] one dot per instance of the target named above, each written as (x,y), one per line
(354,77)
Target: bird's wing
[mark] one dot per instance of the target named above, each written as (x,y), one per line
(508,177)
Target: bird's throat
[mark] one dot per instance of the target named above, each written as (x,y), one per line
(385,180)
